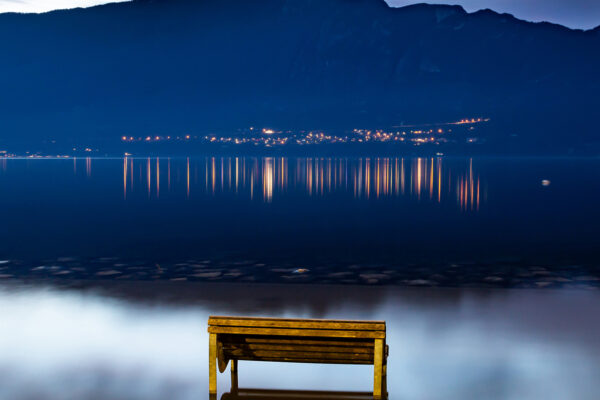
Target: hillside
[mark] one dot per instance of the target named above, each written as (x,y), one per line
(190,66)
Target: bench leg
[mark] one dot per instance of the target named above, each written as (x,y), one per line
(212,363)
(378,367)
(234,376)
(384,384)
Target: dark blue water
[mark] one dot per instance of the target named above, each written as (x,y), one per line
(376,210)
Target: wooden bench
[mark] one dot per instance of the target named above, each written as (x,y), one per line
(296,340)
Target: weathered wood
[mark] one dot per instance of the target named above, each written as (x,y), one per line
(299,354)
(212,363)
(265,394)
(222,360)
(249,339)
(306,360)
(297,347)
(297,340)
(296,332)
(234,375)
(298,323)
(378,369)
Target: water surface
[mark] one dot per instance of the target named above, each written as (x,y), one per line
(352,210)
(148,341)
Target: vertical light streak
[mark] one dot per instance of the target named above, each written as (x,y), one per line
(88,167)
(125,178)
(222,174)
(157,177)
(213,174)
(471,185)
(431,180)
(282,173)
(268,179)
(477,193)
(390,176)
(286,173)
(367,177)
(236,174)
(244,172)
(396,177)
(402,180)
(466,192)
(188,176)
(309,177)
(358,178)
(229,172)
(377,180)
(148,176)
(439,173)
(251,185)
(419,174)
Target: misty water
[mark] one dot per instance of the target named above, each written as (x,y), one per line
(149,341)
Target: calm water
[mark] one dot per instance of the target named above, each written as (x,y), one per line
(349,209)
(445,344)
(132,339)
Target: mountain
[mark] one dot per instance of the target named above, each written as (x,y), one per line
(174,66)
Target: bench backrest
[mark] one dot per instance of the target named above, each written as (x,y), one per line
(297,327)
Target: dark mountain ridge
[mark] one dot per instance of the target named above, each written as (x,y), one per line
(177,66)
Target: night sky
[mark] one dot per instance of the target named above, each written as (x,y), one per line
(582,14)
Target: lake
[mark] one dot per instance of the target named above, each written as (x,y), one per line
(109,269)
(308,213)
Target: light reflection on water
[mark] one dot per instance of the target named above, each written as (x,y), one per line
(444,344)
(420,178)
(381,211)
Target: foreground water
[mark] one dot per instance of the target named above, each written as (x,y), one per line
(305,211)
(148,341)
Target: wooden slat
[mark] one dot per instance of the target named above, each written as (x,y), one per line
(265,394)
(298,347)
(306,360)
(296,332)
(350,342)
(360,321)
(298,354)
(297,323)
